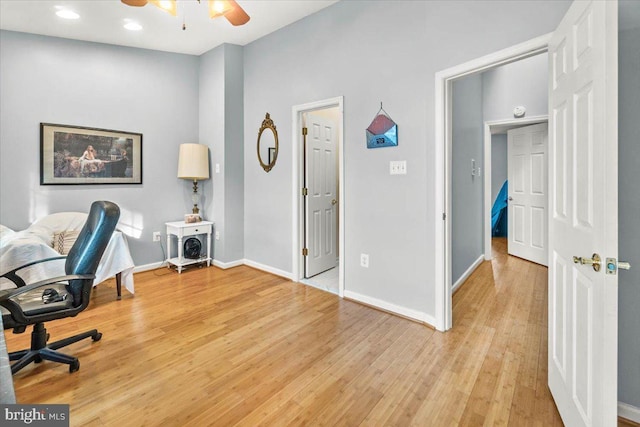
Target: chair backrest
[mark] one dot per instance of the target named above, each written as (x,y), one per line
(85,255)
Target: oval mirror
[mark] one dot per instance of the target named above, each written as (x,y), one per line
(267,144)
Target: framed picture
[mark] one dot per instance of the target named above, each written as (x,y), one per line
(73,155)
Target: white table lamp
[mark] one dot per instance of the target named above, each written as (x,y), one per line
(193,164)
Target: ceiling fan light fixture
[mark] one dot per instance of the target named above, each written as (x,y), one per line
(218,8)
(230,9)
(168,6)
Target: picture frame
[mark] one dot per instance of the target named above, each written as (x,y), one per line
(76,155)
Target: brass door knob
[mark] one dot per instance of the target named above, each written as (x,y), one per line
(594,261)
(334,201)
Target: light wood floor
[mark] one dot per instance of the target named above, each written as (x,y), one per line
(226,347)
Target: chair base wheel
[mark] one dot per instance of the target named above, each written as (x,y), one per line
(40,350)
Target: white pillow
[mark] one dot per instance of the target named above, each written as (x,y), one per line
(47,226)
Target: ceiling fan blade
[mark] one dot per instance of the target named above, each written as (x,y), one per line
(136,3)
(237,15)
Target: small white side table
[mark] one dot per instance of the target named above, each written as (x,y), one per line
(181,229)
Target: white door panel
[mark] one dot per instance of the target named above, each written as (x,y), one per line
(320,207)
(583,320)
(527,174)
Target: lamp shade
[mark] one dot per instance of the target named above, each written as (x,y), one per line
(193,162)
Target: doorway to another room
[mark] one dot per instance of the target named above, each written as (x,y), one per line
(516,180)
(501,113)
(318,199)
(583,200)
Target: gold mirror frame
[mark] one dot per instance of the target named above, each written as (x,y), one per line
(267,123)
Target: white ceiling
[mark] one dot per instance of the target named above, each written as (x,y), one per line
(102,21)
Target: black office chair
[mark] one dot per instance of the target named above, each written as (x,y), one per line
(58,297)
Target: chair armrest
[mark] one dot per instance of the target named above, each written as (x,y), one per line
(15,309)
(10,293)
(17,280)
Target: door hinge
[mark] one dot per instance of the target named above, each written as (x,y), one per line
(305,191)
(305,252)
(304,131)
(444,216)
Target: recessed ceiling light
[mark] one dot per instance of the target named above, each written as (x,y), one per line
(133,26)
(67,14)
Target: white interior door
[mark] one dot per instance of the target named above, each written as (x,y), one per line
(321,199)
(583,156)
(528,197)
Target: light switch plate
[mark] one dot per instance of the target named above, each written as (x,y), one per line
(398,167)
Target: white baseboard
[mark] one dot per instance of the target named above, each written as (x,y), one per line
(468,273)
(269,269)
(629,412)
(387,306)
(223,265)
(230,264)
(147,267)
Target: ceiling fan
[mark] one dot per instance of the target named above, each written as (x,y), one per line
(230,9)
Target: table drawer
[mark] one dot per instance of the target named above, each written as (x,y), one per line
(196,229)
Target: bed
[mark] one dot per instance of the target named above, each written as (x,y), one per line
(53,236)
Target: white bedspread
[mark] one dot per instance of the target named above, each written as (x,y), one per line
(21,247)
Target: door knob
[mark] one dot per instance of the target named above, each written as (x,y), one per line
(334,201)
(594,261)
(510,198)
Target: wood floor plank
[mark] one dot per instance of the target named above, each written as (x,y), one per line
(247,348)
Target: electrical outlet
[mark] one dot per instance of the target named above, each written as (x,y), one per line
(364,260)
(156,236)
(217,235)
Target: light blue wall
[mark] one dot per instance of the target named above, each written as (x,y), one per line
(221,111)
(45,79)
(338,51)
(466,191)
(371,51)
(234,153)
(629,205)
(520,83)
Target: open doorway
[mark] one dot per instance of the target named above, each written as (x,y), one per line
(485,107)
(443,94)
(496,165)
(319,195)
(583,183)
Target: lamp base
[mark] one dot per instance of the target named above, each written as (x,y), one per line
(195,197)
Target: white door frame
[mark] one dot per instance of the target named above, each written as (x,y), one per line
(443,97)
(490,128)
(298,182)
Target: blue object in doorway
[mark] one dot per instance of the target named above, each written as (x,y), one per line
(499,212)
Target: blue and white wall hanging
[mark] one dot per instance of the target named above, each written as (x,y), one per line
(383,131)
